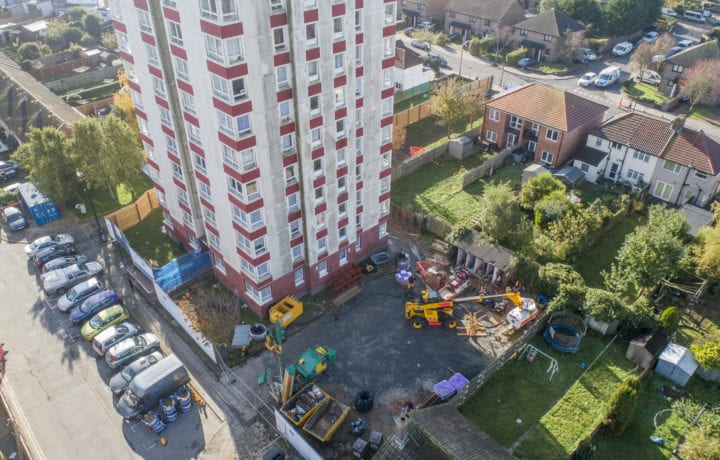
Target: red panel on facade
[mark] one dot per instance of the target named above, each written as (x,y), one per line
(343,197)
(250,235)
(343,222)
(341,113)
(386,93)
(191,119)
(141,4)
(320,208)
(388,63)
(341,171)
(319,182)
(162,102)
(359,132)
(386,121)
(202,178)
(339,47)
(197,149)
(174,158)
(154,71)
(254,262)
(287,128)
(277,20)
(292,189)
(289,159)
(384,197)
(280,59)
(389,31)
(359,209)
(171,14)
(158,186)
(117,25)
(147,38)
(341,143)
(312,54)
(210,228)
(321,234)
(179,52)
(226,31)
(234,110)
(141,114)
(284,95)
(359,185)
(152,164)
(179,183)
(315,122)
(358,4)
(359,71)
(228,73)
(249,207)
(128,58)
(167,131)
(338,10)
(359,159)
(385,173)
(317,153)
(311,16)
(292,217)
(185,86)
(386,147)
(241,177)
(340,81)
(243,144)
(298,240)
(359,39)
(314,89)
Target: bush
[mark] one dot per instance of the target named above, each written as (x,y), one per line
(513,57)
(670,319)
(715,33)
(707,354)
(603,305)
(641,315)
(552,277)
(28,51)
(441,39)
(475,47)
(621,407)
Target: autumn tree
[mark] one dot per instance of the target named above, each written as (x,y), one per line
(109,41)
(449,104)
(399,137)
(641,59)
(706,252)
(499,214)
(701,83)
(663,44)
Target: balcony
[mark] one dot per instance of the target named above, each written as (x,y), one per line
(531,135)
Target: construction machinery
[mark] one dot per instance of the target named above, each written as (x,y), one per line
(434,312)
(311,363)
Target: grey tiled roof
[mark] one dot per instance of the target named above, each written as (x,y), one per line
(689,56)
(550,22)
(486,9)
(590,156)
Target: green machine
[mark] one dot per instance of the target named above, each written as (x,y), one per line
(311,363)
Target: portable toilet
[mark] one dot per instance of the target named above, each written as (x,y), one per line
(676,363)
(38,205)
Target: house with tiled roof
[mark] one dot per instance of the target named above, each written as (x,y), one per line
(544,34)
(472,17)
(549,123)
(415,11)
(673,163)
(674,66)
(409,71)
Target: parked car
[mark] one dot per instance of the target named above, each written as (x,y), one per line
(47,241)
(63,261)
(112,335)
(429,25)
(436,57)
(79,293)
(59,281)
(53,252)
(425,46)
(103,320)
(130,349)
(608,76)
(409,31)
(668,12)
(525,62)
(622,49)
(9,166)
(694,16)
(685,44)
(587,79)
(103,110)
(122,379)
(584,55)
(651,77)
(650,37)
(454,36)
(14,218)
(93,304)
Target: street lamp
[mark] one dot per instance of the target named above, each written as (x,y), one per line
(101,232)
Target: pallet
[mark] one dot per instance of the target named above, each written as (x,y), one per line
(346,278)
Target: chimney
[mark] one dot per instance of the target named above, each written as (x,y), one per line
(678,123)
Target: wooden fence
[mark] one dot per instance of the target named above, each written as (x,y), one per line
(487,168)
(412,164)
(132,214)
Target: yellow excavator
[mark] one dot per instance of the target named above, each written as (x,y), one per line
(431,312)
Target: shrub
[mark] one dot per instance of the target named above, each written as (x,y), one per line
(441,39)
(28,51)
(513,57)
(707,354)
(670,319)
(603,305)
(641,315)
(475,47)
(621,407)
(715,33)
(552,277)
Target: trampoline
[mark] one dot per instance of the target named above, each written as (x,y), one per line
(565,331)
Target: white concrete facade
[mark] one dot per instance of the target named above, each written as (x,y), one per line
(267,126)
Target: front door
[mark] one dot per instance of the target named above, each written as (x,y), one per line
(613,170)
(511,138)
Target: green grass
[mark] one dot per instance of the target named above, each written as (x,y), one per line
(413,101)
(644,92)
(592,261)
(436,188)
(522,390)
(104,202)
(150,243)
(429,133)
(707,113)
(552,68)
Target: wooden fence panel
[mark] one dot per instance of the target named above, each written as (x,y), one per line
(133,213)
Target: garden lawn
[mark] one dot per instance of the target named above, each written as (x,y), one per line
(581,409)
(436,188)
(105,203)
(429,134)
(644,92)
(521,390)
(152,244)
(592,261)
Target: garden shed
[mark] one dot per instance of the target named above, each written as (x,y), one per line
(489,261)
(676,363)
(646,346)
(532,171)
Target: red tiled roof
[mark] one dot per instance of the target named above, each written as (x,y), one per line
(694,148)
(548,106)
(643,133)
(405,57)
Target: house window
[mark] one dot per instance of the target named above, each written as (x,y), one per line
(358,221)
(279,38)
(282,77)
(358,55)
(317,167)
(343,256)
(205,190)
(584,167)
(342,234)
(385,208)
(358,146)
(358,198)
(677,68)
(342,209)
(531,146)
(243,161)
(290,175)
(635,176)
(165,118)
(700,175)
(297,253)
(158,87)
(672,167)
(182,196)
(387,106)
(339,63)
(299,277)
(382,230)
(338,28)
(322,244)
(641,156)
(188,102)
(548,38)
(170,143)
(175,33)
(200,163)
(314,105)
(285,109)
(386,134)
(390,13)
(218,262)
(322,268)
(546,157)
(358,243)
(358,21)
(388,78)
(491,136)
(598,142)
(219,10)
(181,69)
(227,52)
(288,144)
(320,220)
(515,122)
(615,145)
(210,218)
(319,195)
(358,86)
(311,39)
(152,55)
(472,19)
(315,136)
(385,160)
(313,70)
(244,127)
(523,32)
(277,5)
(341,157)
(339,96)
(385,184)
(340,128)
(342,184)
(293,202)
(193,133)
(144,20)
(295,229)
(552,135)
(663,190)
(177,170)
(389,46)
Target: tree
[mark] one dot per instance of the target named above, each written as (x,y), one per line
(650,253)
(441,39)
(552,207)
(109,41)
(122,151)
(449,104)
(28,51)
(500,215)
(587,12)
(546,5)
(500,38)
(570,44)
(706,251)
(54,33)
(87,40)
(93,25)
(569,298)
(707,354)
(624,16)
(72,35)
(553,276)
(476,46)
(423,35)
(700,444)
(603,305)
(87,154)
(46,158)
(399,136)
(701,83)
(621,407)
(663,44)
(537,188)
(641,59)
(670,319)
(641,314)
(77,13)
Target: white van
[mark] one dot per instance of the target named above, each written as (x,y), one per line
(650,77)
(608,77)
(694,16)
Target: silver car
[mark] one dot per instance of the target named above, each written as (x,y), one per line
(79,293)
(59,281)
(62,262)
(47,241)
(122,379)
(131,348)
(112,335)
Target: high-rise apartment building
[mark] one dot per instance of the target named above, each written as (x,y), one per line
(267,127)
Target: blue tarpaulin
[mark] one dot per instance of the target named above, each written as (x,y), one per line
(181,270)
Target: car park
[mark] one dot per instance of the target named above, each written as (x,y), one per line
(608,76)
(436,57)
(63,261)
(525,62)
(622,49)
(47,241)
(587,79)
(122,379)
(93,304)
(103,320)
(650,37)
(14,218)
(59,281)
(112,335)
(425,46)
(130,349)
(52,253)
(78,293)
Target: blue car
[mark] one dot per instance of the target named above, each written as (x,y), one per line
(94,304)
